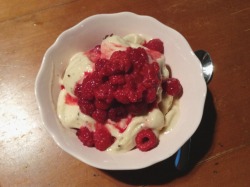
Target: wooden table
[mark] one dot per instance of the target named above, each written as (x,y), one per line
(220,151)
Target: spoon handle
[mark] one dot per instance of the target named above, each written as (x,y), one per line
(182,157)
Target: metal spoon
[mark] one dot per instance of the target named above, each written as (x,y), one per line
(207,64)
(182,156)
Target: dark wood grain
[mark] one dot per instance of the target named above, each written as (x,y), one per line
(220,151)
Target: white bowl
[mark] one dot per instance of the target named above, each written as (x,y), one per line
(90,32)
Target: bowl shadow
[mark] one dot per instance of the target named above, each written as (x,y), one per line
(165,171)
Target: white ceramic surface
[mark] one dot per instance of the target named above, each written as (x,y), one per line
(90,32)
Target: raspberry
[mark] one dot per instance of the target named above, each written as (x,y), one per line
(94,54)
(151,75)
(85,136)
(117,64)
(172,86)
(154,69)
(121,96)
(117,79)
(117,113)
(132,80)
(101,104)
(155,44)
(100,115)
(86,106)
(151,95)
(100,63)
(86,89)
(138,57)
(146,140)
(134,96)
(137,108)
(104,92)
(121,58)
(83,93)
(93,80)
(102,138)
(140,91)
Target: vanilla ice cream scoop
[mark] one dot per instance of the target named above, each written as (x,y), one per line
(158,119)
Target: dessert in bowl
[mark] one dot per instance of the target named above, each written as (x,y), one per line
(85,36)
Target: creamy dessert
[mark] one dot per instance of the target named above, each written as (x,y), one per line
(119,95)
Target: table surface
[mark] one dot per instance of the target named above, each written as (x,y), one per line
(220,147)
